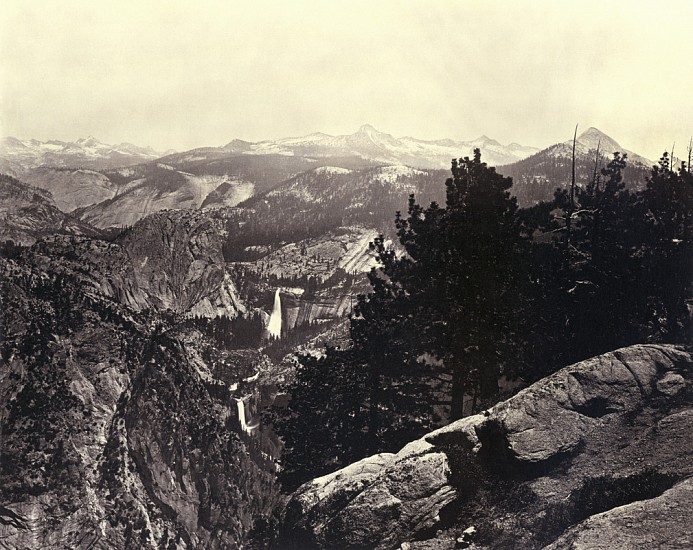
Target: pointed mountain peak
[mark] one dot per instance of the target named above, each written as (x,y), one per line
(10,140)
(238,145)
(592,132)
(593,137)
(368,129)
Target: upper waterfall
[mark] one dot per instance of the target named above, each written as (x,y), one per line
(275,323)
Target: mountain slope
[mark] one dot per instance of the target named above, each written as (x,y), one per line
(72,188)
(28,213)
(116,431)
(318,201)
(591,139)
(537,177)
(183,182)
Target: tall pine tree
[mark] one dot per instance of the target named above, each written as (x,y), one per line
(467,273)
(431,339)
(668,204)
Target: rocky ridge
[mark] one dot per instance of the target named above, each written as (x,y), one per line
(579,456)
(27,213)
(178,262)
(116,430)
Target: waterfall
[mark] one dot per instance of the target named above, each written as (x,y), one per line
(275,322)
(241,414)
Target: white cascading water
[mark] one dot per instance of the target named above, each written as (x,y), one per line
(241,414)
(275,322)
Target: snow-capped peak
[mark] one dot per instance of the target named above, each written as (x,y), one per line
(90,141)
(592,139)
(86,152)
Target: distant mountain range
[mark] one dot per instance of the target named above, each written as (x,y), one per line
(117,185)
(368,143)
(17,156)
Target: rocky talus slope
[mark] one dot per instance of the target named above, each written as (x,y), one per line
(597,455)
(114,430)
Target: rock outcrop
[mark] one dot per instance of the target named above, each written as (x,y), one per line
(570,460)
(28,213)
(178,263)
(169,262)
(375,501)
(661,522)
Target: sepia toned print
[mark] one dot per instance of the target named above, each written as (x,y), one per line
(361,275)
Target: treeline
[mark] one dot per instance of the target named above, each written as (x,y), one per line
(489,290)
(308,282)
(241,332)
(536,177)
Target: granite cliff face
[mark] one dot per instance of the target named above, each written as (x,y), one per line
(116,433)
(178,262)
(329,305)
(574,461)
(169,262)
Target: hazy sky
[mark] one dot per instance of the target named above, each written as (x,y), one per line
(183,74)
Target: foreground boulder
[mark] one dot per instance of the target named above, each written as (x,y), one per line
(661,522)
(595,440)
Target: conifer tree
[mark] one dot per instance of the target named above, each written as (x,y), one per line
(585,282)
(467,272)
(324,423)
(607,281)
(668,203)
(439,325)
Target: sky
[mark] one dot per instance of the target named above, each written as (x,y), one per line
(184,74)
